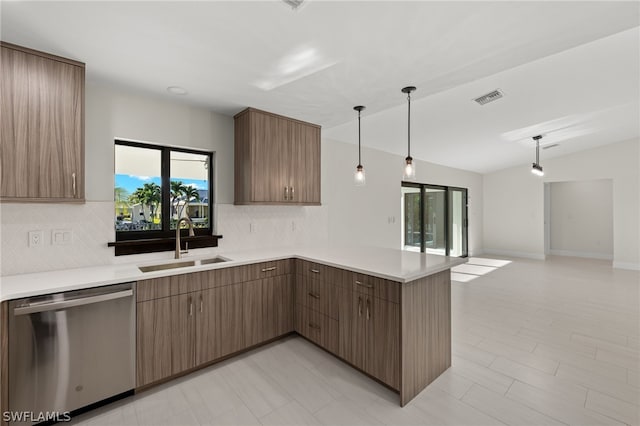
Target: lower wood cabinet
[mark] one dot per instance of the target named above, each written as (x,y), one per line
(192,319)
(154,336)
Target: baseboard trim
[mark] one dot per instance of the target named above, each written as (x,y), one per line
(584,254)
(626,265)
(510,253)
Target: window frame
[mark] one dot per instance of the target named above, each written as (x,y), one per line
(447,218)
(165,210)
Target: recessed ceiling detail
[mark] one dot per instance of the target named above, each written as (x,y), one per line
(490,97)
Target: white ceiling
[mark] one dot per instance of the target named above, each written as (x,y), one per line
(569,70)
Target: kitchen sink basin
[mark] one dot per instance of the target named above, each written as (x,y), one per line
(164,266)
(182,264)
(216,259)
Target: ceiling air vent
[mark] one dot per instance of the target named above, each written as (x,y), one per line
(294,4)
(489,97)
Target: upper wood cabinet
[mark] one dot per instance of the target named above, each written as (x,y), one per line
(277,159)
(42,127)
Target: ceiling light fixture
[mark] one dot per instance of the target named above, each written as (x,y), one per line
(359,177)
(536,168)
(409,171)
(177,90)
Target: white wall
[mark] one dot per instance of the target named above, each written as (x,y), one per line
(514,201)
(115,113)
(370,214)
(581,218)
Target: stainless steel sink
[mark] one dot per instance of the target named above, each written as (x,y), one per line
(216,259)
(163,266)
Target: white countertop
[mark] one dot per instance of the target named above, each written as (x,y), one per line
(395,265)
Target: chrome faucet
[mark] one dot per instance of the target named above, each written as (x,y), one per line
(191,234)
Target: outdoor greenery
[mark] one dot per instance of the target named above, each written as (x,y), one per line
(149,196)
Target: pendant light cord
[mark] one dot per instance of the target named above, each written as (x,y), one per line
(359,154)
(409,126)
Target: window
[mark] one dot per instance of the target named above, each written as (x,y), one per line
(434,219)
(155,187)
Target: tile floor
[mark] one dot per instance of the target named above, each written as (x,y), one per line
(534,343)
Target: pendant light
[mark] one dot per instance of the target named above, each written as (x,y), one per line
(409,171)
(359,177)
(536,168)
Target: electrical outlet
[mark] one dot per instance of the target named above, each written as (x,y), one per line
(252,227)
(293,225)
(35,238)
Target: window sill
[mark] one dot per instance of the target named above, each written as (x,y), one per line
(152,245)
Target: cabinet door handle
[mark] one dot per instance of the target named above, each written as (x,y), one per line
(291,191)
(272,268)
(201,304)
(190,307)
(286,193)
(368,309)
(359,306)
(73,184)
(314,295)
(367,285)
(315,271)
(316,326)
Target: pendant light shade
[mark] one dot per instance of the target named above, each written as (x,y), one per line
(358,176)
(536,168)
(409,170)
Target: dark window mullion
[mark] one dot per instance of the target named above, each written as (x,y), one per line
(166,190)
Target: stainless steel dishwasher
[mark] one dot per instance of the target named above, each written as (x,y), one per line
(69,350)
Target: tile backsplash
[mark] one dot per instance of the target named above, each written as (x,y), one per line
(91,226)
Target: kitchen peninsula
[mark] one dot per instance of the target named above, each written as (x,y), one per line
(386,312)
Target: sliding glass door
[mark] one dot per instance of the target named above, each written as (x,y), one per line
(434,219)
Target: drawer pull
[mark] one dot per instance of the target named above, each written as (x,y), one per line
(367,285)
(272,268)
(201,304)
(315,271)
(286,192)
(316,326)
(73,177)
(314,295)
(190,307)
(359,306)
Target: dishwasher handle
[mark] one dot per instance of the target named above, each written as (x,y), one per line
(63,304)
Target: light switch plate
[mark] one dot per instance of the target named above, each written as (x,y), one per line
(61,237)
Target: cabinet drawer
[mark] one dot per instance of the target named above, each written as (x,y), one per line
(187,283)
(318,295)
(318,328)
(153,289)
(273,268)
(374,286)
(311,269)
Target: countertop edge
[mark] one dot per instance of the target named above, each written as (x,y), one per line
(130,273)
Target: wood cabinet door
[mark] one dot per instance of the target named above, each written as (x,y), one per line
(277,296)
(43,127)
(385,360)
(252,312)
(219,323)
(154,337)
(359,331)
(229,314)
(345,322)
(305,164)
(268,152)
(183,331)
